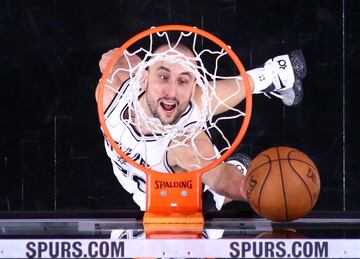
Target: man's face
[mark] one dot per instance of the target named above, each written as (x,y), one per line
(168,91)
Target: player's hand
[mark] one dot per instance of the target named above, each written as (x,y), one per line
(105,58)
(123,62)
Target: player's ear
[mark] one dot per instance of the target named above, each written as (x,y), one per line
(145,79)
(193,90)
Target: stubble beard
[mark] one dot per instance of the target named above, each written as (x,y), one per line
(154,107)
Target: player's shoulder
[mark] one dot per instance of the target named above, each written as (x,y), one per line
(197,96)
(110,90)
(113,97)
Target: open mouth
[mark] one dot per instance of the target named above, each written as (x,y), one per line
(168,106)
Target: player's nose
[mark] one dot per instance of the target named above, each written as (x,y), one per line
(171,89)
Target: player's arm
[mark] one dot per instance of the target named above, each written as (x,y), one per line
(231,90)
(280,76)
(115,82)
(225,179)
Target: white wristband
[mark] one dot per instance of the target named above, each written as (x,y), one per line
(238,165)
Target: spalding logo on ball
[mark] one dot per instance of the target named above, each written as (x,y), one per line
(282,184)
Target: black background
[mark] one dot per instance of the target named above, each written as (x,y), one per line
(51,147)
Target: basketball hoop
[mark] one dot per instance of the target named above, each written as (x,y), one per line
(186,201)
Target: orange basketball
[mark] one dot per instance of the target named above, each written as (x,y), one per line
(282,184)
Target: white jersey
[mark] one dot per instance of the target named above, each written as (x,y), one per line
(151,153)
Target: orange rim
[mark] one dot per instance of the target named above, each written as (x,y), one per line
(181,28)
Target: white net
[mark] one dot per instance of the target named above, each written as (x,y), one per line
(151,139)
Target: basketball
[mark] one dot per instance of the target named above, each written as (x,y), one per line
(282,184)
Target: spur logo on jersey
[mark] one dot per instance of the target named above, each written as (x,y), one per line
(134,156)
(173,184)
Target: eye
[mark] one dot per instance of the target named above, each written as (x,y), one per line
(163,77)
(183,82)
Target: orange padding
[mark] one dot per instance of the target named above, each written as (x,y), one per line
(173,226)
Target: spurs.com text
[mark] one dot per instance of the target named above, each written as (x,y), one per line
(65,249)
(279,249)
